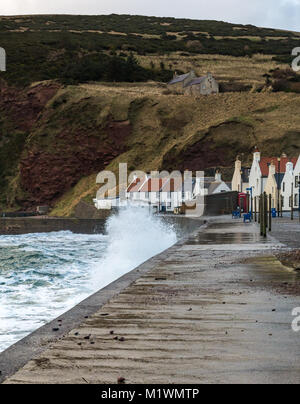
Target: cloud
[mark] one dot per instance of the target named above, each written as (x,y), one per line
(283,14)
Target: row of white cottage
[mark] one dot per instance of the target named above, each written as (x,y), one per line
(275,176)
(165,194)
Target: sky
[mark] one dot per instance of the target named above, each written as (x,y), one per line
(283,14)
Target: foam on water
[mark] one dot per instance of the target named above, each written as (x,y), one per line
(44,275)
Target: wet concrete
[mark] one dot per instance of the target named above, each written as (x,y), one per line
(287,231)
(214,308)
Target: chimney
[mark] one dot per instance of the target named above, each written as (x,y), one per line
(290,167)
(257,155)
(272,169)
(238,164)
(218,176)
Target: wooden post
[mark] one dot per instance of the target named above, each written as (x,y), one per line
(265,214)
(270,212)
(255,209)
(261,213)
(292,203)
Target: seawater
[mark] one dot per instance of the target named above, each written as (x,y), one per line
(44,275)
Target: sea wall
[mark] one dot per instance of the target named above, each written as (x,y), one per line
(14,226)
(221,204)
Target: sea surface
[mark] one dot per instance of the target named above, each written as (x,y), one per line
(44,275)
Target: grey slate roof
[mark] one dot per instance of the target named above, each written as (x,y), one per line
(246,173)
(213,186)
(279,179)
(208,181)
(193,82)
(178,79)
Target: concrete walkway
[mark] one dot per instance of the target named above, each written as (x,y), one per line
(215,308)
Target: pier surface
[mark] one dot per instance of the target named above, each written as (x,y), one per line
(214,308)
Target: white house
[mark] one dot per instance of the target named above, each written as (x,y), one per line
(259,172)
(240,179)
(151,193)
(297,182)
(165,194)
(287,187)
(275,176)
(217,185)
(290,186)
(133,191)
(257,179)
(271,187)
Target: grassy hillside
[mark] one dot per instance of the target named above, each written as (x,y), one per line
(73,47)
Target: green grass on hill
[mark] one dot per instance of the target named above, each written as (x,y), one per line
(67,47)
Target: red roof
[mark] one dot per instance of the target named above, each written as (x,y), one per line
(265,163)
(174,185)
(154,185)
(135,185)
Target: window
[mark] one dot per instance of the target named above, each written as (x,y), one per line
(283,186)
(147,195)
(296,200)
(297,182)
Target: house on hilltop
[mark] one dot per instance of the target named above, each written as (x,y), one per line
(190,84)
(178,83)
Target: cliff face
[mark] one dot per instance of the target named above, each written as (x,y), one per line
(46,174)
(20,111)
(21,108)
(53,140)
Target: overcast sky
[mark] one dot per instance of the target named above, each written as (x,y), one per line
(283,14)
